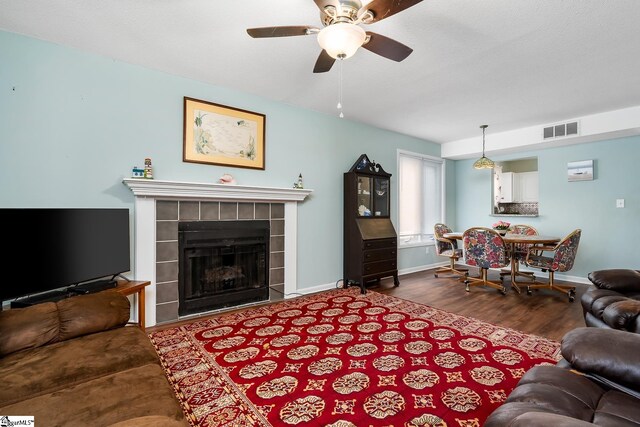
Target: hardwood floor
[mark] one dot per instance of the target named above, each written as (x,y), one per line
(545,313)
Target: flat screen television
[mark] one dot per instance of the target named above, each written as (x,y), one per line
(58,247)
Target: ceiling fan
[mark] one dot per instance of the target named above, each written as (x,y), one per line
(342,34)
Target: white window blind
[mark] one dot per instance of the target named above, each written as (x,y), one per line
(420,196)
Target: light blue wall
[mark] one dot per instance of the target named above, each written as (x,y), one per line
(609,234)
(73,124)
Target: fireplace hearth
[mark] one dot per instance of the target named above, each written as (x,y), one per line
(222,264)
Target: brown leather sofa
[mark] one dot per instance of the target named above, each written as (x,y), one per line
(597,383)
(614,301)
(73,363)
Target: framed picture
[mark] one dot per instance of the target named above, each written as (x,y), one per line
(220,135)
(580,171)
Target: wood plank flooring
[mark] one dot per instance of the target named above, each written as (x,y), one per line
(545,313)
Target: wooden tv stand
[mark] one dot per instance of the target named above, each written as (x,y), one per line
(134,287)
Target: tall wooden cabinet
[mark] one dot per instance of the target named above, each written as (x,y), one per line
(370,240)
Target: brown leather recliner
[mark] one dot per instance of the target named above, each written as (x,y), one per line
(597,383)
(614,302)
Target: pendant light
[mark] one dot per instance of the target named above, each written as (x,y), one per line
(483,162)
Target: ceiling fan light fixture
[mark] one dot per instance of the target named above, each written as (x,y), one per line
(483,162)
(341,40)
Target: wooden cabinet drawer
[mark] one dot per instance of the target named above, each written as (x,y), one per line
(380,266)
(379,254)
(377,244)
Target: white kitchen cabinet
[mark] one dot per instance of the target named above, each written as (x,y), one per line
(506,187)
(526,185)
(518,187)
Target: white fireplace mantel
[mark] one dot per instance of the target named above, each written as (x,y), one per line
(147,191)
(198,190)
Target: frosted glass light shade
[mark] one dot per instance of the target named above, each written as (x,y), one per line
(341,40)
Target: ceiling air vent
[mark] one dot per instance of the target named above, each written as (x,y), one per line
(560,130)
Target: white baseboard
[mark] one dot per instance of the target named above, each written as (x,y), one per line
(314,289)
(421,268)
(558,276)
(574,279)
(328,286)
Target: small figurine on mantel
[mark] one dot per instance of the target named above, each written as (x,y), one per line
(137,172)
(298,184)
(227,179)
(148,171)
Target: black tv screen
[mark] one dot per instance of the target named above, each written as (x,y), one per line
(62,247)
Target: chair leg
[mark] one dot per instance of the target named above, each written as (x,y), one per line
(507,272)
(483,281)
(461,272)
(568,290)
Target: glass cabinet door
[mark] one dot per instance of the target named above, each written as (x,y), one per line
(381,197)
(365,198)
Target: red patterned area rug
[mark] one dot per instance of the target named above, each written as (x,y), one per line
(343,359)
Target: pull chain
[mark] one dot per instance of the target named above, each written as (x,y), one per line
(341,115)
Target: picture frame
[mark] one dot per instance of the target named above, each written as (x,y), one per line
(580,171)
(217,134)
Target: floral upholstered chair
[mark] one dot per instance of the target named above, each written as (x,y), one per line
(485,249)
(562,259)
(448,248)
(519,251)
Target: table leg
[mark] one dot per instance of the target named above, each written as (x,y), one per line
(514,269)
(514,284)
(141,313)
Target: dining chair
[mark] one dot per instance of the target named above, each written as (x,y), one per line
(562,259)
(448,248)
(519,251)
(484,248)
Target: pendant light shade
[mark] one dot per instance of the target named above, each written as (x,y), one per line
(483,162)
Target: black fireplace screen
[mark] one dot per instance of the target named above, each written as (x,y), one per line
(222,264)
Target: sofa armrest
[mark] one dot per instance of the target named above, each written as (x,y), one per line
(617,279)
(624,315)
(610,354)
(87,314)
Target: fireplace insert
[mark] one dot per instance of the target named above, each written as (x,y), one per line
(222,264)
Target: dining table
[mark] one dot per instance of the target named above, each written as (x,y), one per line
(513,239)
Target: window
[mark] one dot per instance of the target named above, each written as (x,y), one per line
(420,197)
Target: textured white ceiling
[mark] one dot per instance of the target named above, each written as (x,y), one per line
(506,63)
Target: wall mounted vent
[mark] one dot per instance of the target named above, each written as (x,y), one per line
(560,130)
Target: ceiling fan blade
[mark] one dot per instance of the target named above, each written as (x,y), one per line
(323,63)
(279,31)
(382,9)
(389,48)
